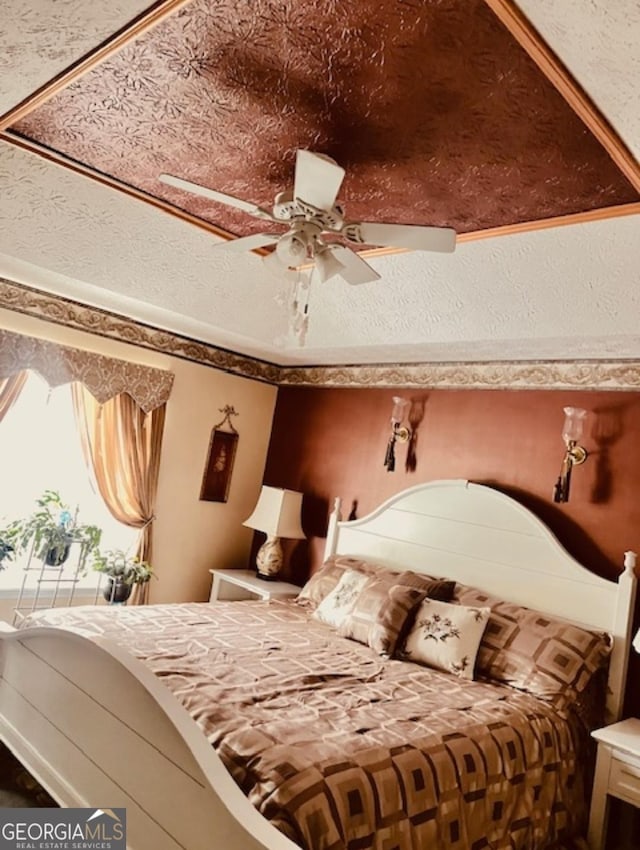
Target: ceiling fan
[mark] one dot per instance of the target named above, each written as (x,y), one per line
(311,211)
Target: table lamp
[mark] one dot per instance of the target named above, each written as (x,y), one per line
(277,514)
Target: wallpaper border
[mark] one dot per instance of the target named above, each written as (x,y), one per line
(95,320)
(619,375)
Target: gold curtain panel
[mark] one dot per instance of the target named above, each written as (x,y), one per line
(104,377)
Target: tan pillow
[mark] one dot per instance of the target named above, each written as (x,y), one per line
(324,580)
(337,605)
(434,588)
(385,605)
(446,636)
(549,658)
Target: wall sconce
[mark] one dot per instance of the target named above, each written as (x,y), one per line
(399,433)
(575,454)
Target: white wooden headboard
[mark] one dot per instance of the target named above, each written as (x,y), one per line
(480,537)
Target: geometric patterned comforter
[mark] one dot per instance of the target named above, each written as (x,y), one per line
(341,748)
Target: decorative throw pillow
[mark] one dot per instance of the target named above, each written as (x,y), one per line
(338,604)
(446,636)
(379,614)
(385,605)
(324,580)
(534,652)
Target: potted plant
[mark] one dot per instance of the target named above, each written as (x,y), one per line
(7,549)
(124,571)
(50,530)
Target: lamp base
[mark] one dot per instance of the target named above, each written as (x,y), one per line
(269,559)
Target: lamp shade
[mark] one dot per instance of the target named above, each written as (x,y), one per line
(636,641)
(277,513)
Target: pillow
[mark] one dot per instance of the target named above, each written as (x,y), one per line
(385,605)
(536,653)
(338,604)
(434,588)
(446,636)
(324,580)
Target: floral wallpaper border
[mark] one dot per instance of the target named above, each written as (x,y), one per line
(561,375)
(64,311)
(515,375)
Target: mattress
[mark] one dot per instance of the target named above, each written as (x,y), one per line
(341,748)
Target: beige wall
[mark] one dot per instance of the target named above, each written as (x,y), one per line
(190,536)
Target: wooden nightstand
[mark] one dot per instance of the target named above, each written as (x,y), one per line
(244,584)
(617,774)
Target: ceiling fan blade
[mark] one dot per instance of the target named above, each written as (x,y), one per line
(249,243)
(277,268)
(318,179)
(212,195)
(355,270)
(413,236)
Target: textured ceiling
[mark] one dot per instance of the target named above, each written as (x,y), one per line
(557,293)
(600,42)
(40,38)
(436,112)
(575,294)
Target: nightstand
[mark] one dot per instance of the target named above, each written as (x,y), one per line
(617,774)
(244,584)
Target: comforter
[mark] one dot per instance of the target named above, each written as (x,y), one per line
(341,748)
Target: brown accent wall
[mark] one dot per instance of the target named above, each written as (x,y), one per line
(331,442)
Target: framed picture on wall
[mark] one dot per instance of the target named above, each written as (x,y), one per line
(220,457)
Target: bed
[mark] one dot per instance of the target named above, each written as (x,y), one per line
(98,727)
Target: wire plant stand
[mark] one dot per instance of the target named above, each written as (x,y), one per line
(46,586)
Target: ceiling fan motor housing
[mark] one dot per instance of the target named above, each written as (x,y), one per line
(287,208)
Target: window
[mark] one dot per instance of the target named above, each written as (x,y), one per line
(40,450)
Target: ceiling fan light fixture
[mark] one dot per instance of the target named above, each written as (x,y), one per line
(273,264)
(327,264)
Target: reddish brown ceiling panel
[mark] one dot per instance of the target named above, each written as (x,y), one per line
(435,111)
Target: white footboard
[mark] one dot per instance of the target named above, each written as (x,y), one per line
(96,728)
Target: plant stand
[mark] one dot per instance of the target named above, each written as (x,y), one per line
(45,586)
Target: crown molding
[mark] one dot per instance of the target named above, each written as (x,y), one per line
(618,375)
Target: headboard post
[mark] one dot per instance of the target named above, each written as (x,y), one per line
(332,531)
(627,584)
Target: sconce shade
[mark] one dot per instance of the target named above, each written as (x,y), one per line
(575,454)
(573,424)
(399,408)
(277,514)
(636,641)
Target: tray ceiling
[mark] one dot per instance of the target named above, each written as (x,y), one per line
(436,112)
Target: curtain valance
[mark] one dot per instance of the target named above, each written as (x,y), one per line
(104,377)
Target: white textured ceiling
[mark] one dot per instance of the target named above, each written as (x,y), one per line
(40,38)
(558,293)
(599,41)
